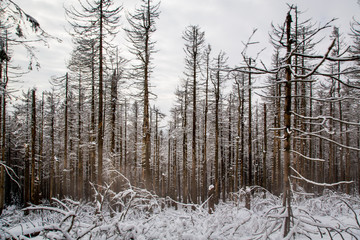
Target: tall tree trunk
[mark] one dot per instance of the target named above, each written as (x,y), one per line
(125,138)
(27,176)
(223,164)
(358,152)
(41,186)
(304,164)
(121,152)
(113,103)
(3,132)
(257,152)
(264,176)
(65,171)
(238,125)
(184,150)
(92,125)
(277,142)
(242,137)
(331,145)
(52,191)
(297,160)
(135,141)
(287,123)
(204,165)
(216,159)
(347,176)
(170,183)
(4,81)
(2,136)
(193,145)
(2,169)
(313,165)
(71,189)
(157,151)
(100,108)
(175,164)
(34,198)
(321,155)
(250,176)
(146,146)
(229,165)
(80,178)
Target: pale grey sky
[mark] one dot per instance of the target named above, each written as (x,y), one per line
(226,23)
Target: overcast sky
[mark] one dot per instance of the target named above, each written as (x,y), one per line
(227,23)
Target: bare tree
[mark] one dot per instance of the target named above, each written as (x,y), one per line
(97,21)
(13,22)
(218,80)
(194,41)
(205,158)
(142,27)
(34,197)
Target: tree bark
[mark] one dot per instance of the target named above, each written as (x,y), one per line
(100,107)
(113,103)
(175,164)
(80,178)
(42,185)
(242,137)
(204,165)
(135,151)
(287,133)
(34,198)
(194,140)
(52,191)
(2,169)
(238,125)
(250,176)
(264,167)
(65,170)
(146,146)
(92,125)
(216,159)
(184,146)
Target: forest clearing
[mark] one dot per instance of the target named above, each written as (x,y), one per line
(261,149)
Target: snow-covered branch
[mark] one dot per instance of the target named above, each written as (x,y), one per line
(330,58)
(300,177)
(324,118)
(329,140)
(317,66)
(11,173)
(308,158)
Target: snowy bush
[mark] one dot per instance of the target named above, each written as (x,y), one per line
(137,214)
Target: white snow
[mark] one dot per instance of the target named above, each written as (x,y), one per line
(145,216)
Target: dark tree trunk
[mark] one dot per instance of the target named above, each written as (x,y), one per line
(65,170)
(80,182)
(184,146)
(52,191)
(287,124)
(100,107)
(264,167)
(34,197)
(250,178)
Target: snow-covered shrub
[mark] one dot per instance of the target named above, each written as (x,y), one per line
(135,213)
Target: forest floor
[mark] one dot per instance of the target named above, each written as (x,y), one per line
(141,215)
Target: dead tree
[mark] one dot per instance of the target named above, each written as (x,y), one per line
(142,27)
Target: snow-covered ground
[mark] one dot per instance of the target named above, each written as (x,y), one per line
(137,214)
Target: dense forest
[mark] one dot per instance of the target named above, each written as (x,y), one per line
(97,130)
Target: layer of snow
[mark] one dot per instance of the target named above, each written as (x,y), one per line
(145,216)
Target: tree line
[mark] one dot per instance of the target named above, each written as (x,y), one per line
(302,133)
